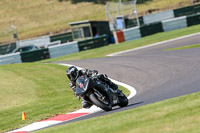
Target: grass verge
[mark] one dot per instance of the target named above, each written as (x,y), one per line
(39,90)
(180,115)
(184,47)
(103,51)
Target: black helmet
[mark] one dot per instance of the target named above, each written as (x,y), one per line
(72,73)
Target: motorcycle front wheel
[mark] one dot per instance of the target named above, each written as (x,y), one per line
(99,103)
(123,101)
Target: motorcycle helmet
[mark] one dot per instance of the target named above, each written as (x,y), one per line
(72,73)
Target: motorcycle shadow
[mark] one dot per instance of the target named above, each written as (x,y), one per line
(133,105)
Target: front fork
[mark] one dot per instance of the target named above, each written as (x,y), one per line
(113,99)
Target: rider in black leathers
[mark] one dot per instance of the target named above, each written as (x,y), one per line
(73,73)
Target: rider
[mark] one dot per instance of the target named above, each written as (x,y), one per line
(73,73)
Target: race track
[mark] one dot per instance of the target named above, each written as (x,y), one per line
(156,74)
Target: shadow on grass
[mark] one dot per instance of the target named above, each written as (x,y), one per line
(103,1)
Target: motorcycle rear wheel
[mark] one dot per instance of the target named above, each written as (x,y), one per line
(99,103)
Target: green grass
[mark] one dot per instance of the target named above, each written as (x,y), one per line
(103,51)
(184,47)
(39,90)
(40,17)
(177,115)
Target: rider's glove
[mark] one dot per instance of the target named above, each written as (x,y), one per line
(94,73)
(89,72)
(72,86)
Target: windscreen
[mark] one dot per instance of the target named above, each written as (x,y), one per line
(80,82)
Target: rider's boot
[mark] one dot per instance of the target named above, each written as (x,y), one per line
(111,84)
(86,104)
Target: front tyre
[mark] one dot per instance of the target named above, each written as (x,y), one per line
(99,103)
(123,101)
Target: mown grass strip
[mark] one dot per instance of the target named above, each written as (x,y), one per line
(173,115)
(39,90)
(184,47)
(103,51)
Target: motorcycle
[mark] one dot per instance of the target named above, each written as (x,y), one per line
(99,93)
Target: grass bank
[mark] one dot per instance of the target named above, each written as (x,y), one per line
(103,51)
(35,18)
(177,115)
(39,90)
(184,47)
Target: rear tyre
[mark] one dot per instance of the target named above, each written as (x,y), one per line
(98,103)
(123,101)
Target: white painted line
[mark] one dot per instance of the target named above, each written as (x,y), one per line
(37,125)
(151,45)
(130,88)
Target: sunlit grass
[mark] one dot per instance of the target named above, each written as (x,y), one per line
(177,115)
(35,18)
(184,47)
(39,90)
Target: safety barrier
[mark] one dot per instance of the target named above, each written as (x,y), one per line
(169,24)
(185,11)
(63,49)
(10,58)
(132,34)
(173,24)
(64,37)
(39,42)
(93,43)
(193,19)
(133,22)
(35,55)
(158,16)
(150,29)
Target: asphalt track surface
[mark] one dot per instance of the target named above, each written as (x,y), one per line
(155,74)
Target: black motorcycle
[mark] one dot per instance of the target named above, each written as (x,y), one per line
(99,93)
